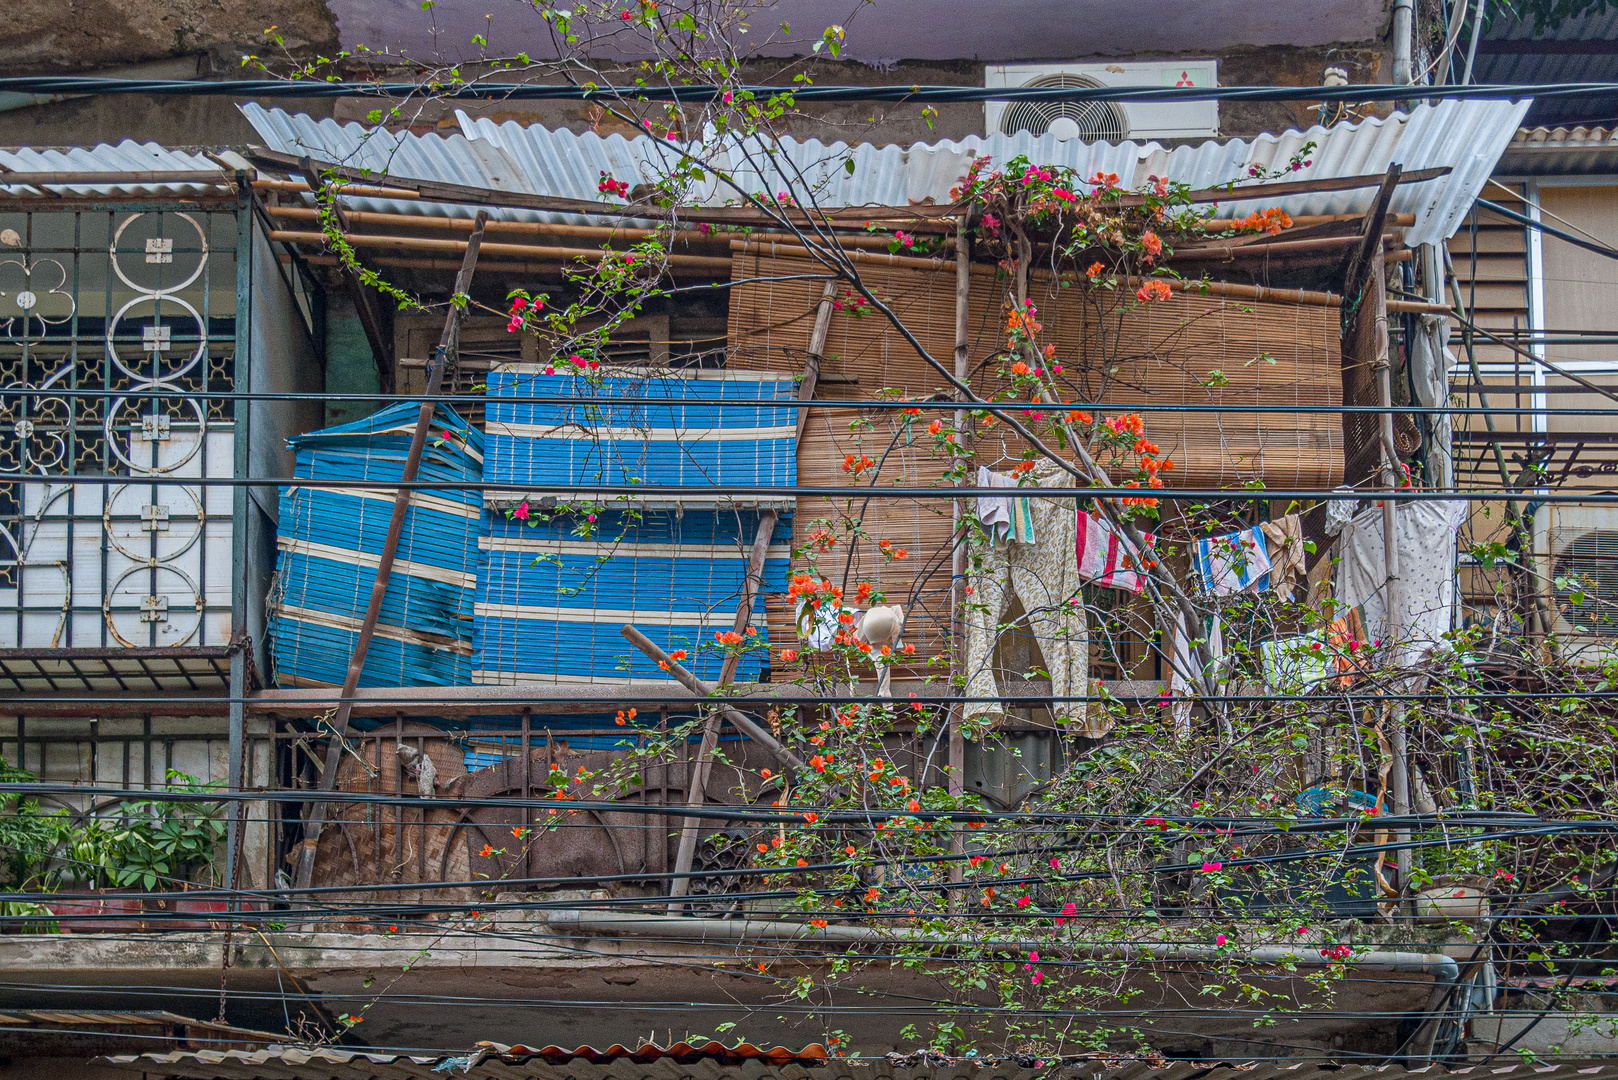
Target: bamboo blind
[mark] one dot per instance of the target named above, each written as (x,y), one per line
(1189,349)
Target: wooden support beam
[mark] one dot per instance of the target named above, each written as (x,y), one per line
(680,883)
(1359,268)
(817,346)
(448,343)
(745,724)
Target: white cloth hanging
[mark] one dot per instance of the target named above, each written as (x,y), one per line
(1424,537)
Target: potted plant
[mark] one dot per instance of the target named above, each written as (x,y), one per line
(154,846)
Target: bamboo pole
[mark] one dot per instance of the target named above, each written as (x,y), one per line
(1304,221)
(861,239)
(422,243)
(1394,596)
(1279,247)
(963,344)
(701,689)
(798,251)
(696,794)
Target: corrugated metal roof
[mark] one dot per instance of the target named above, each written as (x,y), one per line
(125,157)
(1466,136)
(1509,62)
(493,1062)
(1560,151)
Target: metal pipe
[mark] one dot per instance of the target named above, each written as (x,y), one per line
(1442,967)
(1472,49)
(1403,32)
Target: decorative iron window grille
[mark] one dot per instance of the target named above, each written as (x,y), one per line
(124,323)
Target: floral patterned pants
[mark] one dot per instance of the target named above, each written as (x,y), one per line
(1044,575)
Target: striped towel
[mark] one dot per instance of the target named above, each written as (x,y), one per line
(1004,515)
(1107,558)
(1238,562)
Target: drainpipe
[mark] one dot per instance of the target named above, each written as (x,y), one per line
(1404,12)
(1441,967)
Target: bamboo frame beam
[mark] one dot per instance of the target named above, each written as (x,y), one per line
(536,252)
(1304,221)
(697,793)
(550,228)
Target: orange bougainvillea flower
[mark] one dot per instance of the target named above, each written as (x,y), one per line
(849,849)
(1155,289)
(488,849)
(819,924)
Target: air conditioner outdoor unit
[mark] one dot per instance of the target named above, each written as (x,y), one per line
(1582,543)
(1104,121)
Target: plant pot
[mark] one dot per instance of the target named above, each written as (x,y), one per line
(1454,902)
(92,914)
(172,910)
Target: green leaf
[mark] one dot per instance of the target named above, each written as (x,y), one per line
(848,166)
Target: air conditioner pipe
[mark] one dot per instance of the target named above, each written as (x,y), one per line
(1443,968)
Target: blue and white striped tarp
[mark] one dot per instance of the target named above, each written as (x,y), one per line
(666,430)
(550,603)
(331,541)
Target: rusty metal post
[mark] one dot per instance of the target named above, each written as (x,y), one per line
(447,346)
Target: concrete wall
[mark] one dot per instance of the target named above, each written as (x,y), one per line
(281,357)
(350,366)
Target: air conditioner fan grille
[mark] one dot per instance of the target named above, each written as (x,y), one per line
(1098,121)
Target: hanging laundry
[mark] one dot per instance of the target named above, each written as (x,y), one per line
(1044,577)
(1424,537)
(1308,660)
(1004,515)
(1238,562)
(817,627)
(1184,662)
(1106,557)
(1339,512)
(1283,539)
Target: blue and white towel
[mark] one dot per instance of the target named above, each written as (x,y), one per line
(1237,562)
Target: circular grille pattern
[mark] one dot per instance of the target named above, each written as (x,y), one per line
(1097,121)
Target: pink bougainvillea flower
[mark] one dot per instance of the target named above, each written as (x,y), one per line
(1212,867)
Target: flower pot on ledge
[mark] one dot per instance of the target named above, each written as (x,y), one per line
(173,911)
(1452,902)
(91,914)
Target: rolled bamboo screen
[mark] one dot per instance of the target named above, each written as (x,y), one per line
(1189,349)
